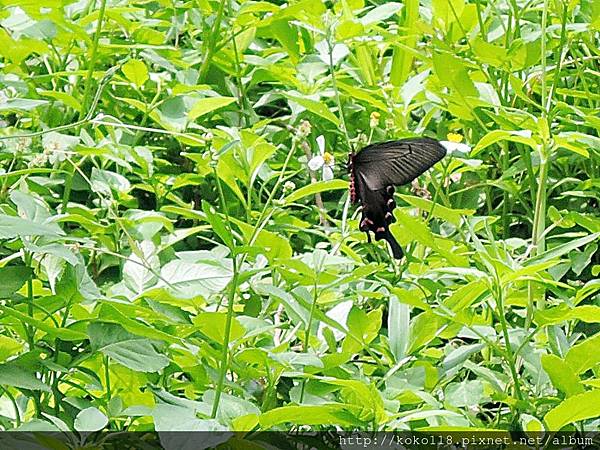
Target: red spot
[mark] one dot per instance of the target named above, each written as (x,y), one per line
(380,230)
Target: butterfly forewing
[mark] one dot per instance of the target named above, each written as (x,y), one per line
(396,162)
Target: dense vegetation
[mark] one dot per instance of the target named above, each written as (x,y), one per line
(168,260)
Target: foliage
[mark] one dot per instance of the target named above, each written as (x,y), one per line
(168,261)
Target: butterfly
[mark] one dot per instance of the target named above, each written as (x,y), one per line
(376,169)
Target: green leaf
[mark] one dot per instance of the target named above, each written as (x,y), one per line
(67,99)
(452,72)
(454,216)
(362,328)
(466,393)
(90,419)
(562,376)
(381,13)
(9,347)
(217,224)
(130,350)
(188,279)
(13,278)
(562,249)
(136,71)
(206,105)
(503,135)
(12,227)
(327,414)
(584,355)
(315,107)
(105,182)
(65,334)
(423,329)
(398,327)
(579,407)
(314,188)
(212,324)
(19,377)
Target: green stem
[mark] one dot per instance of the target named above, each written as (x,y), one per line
(14,404)
(539,215)
(211,41)
(307,330)
(224,363)
(335,88)
(86,95)
(510,357)
(107,378)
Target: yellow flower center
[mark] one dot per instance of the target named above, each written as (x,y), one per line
(455,137)
(328,158)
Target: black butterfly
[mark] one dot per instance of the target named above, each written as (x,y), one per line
(374,172)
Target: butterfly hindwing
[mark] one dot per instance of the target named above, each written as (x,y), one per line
(374,172)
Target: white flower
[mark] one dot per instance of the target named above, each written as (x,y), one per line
(324,160)
(454,146)
(56,145)
(289,186)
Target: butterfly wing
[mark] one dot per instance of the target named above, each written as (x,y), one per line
(396,163)
(374,172)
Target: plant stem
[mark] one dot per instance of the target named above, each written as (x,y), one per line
(308,327)
(86,94)
(510,357)
(211,41)
(224,363)
(539,215)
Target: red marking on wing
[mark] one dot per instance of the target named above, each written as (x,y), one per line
(352,188)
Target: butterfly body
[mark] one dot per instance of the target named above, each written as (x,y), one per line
(376,169)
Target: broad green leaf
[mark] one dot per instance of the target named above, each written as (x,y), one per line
(453,216)
(584,355)
(136,71)
(19,377)
(314,188)
(90,419)
(362,328)
(326,414)
(187,279)
(363,94)
(12,227)
(561,313)
(466,393)
(562,376)
(67,99)
(315,107)
(576,408)
(9,347)
(398,327)
(13,278)
(213,324)
(206,105)
(381,13)
(423,329)
(452,72)
(494,136)
(135,352)
(105,182)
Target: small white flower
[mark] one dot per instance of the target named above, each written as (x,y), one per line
(324,160)
(56,145)
(289,186)
(454,146)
